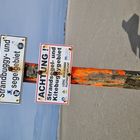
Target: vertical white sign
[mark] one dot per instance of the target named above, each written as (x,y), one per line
(12,51)
(54,78)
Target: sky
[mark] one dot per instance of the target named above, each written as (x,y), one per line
(41,21)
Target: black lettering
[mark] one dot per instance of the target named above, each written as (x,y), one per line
(41,88)
(41,94)
(44,56)
(49,98)
(54,98)
(7,45)
(3,78)
(43,63)
(42,81)
(15,78)
(14,86)
(53,52)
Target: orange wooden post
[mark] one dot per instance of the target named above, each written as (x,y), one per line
(93,77)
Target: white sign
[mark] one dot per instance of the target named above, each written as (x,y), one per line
(54,78)
(11,68)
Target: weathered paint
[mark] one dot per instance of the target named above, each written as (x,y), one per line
(30,72)
(93,77)
(98,77)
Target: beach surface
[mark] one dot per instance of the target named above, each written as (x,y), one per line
(102,37)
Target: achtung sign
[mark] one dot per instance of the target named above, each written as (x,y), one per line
(54,74)
(12,51)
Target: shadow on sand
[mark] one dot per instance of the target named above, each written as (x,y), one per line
(131,27)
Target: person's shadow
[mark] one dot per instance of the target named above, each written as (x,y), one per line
(131,27)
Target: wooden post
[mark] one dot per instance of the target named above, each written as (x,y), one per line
(93,77)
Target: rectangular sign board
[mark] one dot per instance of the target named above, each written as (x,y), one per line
(54,74)
(12,51)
